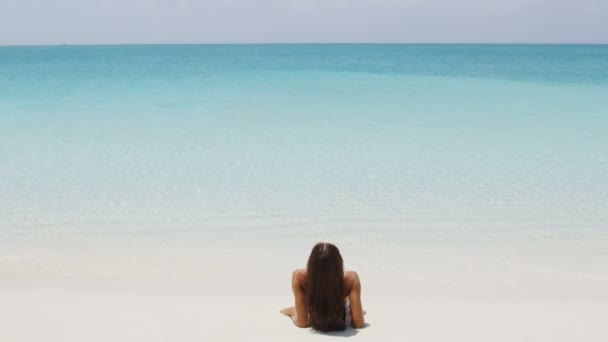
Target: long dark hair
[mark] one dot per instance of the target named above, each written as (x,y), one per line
(325,289)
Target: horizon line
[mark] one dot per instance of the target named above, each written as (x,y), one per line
(305,43)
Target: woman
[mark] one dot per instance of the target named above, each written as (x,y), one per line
(326,297)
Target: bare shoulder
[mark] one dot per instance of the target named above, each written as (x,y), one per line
(351,276)
(351,280)
(299,277)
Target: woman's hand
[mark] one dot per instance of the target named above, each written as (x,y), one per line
(290,311)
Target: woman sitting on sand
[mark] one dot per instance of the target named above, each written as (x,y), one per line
(326,297)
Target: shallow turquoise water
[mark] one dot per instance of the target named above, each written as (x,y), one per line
(367,141)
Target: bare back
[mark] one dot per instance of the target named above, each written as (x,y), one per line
(352,291)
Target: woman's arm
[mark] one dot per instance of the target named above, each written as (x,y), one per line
(299,313)
(356,308)
(298,281)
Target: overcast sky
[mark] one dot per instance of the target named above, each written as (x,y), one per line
(298,21)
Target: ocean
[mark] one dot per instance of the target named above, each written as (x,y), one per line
(373,143)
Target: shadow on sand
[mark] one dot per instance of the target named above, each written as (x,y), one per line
(349,332)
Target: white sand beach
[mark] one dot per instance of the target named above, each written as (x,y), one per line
(137,290)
